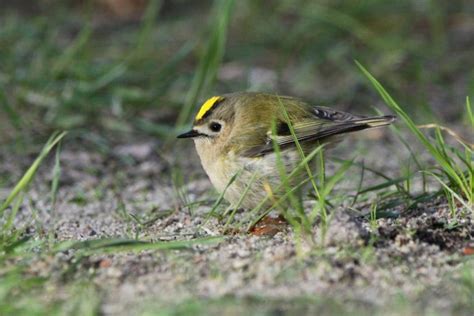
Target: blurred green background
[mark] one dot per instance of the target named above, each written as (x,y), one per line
(135,67)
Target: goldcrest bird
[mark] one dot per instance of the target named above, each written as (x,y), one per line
(236,134)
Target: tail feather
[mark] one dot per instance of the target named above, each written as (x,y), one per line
(350,126)
(376,121)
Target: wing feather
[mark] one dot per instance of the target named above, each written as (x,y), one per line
(324,124)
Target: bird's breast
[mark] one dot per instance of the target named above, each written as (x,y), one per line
(220,167)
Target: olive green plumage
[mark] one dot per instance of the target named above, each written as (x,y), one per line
(236,133)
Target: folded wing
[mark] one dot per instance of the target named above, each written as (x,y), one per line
(324,124)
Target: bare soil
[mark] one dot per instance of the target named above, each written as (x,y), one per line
(417,258)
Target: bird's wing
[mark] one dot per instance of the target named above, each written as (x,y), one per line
(322,124)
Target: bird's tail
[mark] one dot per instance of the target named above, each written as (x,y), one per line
(375,121)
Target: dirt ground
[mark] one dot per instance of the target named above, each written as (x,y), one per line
(410,262)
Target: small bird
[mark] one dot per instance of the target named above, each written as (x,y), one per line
(240,133)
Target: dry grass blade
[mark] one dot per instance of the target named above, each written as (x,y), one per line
(448,130)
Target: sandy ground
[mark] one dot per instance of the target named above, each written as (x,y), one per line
(415,258)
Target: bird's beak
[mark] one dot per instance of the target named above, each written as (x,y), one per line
(192,133)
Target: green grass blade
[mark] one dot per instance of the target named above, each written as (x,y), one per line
(146,30)
(14,117)
(439,156)
(454,194)
(11,217)
(56,176)
(210,60)
(470,113)
(294,172)
(30,173)
(384,185)
(336,177)
(114,245)
(239,202)
(70,52)
(219,200)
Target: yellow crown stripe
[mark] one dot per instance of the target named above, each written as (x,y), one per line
(206,107)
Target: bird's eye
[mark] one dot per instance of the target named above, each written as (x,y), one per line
(215,127)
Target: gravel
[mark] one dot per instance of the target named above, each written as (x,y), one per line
(418,255)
